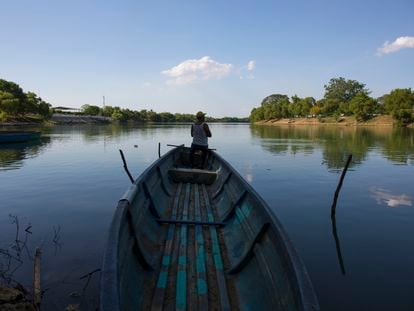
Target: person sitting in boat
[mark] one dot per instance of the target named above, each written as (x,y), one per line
(200,133)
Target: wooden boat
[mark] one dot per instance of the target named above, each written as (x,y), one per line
(183,240)
(18,136)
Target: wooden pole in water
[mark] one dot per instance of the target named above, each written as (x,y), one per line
(333,215)
(159,150)
(126,167)
(37,293)
(338,188)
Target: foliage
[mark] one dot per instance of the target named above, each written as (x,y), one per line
(91,110)
(3,116)
(339,92)
(315,110)
(400,103)
(363,106)
(337,116)
(14,102)
(342,97)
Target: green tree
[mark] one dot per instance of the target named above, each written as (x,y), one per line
(166,117)
(35,104)
(305,105)
(399,103)
(363,106)
(9,104)
(152,116)
(118,115)
(315,110)
(339,93)
(91,110)
(12,98)
(107,111)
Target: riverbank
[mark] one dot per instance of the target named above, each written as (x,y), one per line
(15,299)
(381,121)
(59,118)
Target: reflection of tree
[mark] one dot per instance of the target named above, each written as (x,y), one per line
(98,132)
(399,145)
(396,144)
(283,139)
(12,155)
(341,142)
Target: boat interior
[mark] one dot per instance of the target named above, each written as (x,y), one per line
(199,239)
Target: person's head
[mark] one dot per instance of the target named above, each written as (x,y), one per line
(200,116)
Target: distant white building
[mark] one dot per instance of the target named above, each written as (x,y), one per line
(67,109)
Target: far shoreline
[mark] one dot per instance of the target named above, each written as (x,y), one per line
(378,121)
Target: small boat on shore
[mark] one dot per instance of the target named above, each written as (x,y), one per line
(199,239)
(18,136)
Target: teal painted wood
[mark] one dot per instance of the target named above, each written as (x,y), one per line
(17,137)
(159,294)
(272,277)
(181,287)
(200,252)
(216,253)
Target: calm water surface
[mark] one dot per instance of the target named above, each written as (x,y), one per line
(66,188)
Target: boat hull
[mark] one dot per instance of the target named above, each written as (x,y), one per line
(18,137)
(193,244)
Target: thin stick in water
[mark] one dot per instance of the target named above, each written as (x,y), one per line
(126,166)
(338,188)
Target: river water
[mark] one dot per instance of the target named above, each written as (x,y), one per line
(63,190)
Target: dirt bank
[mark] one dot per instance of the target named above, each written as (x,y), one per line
(343,121)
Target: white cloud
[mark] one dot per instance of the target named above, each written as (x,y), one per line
(251,65)
(191,70)
(392,200)
(398,44)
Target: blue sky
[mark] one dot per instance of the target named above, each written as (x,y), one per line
(184,56)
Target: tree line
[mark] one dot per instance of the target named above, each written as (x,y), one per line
(16,103)
(342,97)
(144,115)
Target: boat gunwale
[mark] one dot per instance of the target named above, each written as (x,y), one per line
(109,294)
(307,293)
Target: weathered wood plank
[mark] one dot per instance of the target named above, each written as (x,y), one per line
(202,288)
(216,253)
(159,294)
(181,287)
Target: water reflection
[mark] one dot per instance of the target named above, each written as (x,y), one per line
(395,144)
(392,200)
(337,245)
(12,156)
